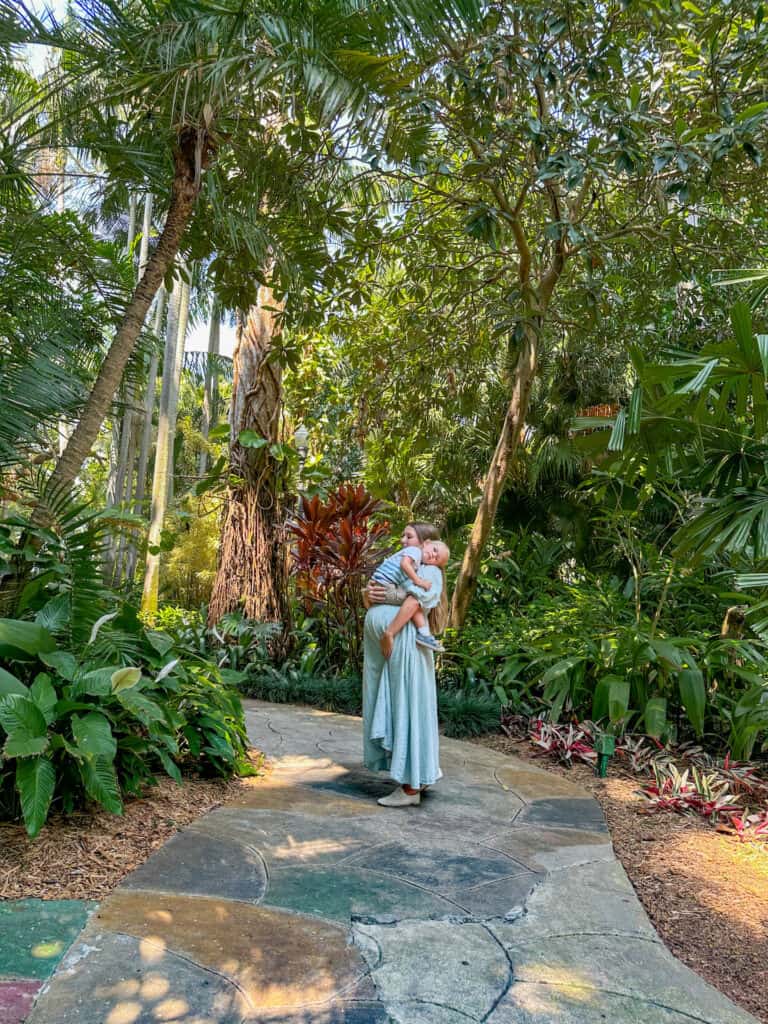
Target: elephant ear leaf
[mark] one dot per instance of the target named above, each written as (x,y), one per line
(100,781)
(35,781)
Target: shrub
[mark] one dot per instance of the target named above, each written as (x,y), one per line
(579,650)
(74,727)
(467,712)
(336,547)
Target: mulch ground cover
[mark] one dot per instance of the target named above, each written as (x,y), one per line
(706,892)
(86,854)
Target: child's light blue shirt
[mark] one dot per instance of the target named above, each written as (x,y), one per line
(390,571)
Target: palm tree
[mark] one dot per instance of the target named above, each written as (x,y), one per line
(191,77)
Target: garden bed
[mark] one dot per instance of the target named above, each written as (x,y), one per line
(706,892)
(85,855)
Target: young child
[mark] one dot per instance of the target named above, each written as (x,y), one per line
(404,564)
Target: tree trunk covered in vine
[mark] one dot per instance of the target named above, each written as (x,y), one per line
(252,572)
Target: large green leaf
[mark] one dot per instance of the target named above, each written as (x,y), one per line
(10,684)
(655,716)
(63,662)
(97,683)
(143,707)
(25,636)
(100,781)
(25,725)
(601,696)
(170,765)
(693,696)
(35,781)
(93,735)
(45,696)
(618,700)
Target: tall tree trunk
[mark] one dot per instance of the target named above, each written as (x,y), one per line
(211,384)
(493,486)
(131,419)
(252,573)
(146,434)
(166,428)
(184,194)
(118,448)
(183,323)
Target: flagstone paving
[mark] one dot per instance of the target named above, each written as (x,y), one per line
(34,936)
(497,900)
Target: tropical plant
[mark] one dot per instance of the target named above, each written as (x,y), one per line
(336,547)
(74,728)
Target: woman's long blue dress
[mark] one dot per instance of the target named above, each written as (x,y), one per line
(400,695)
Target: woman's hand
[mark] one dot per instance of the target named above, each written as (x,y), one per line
(377,593)
(387,643)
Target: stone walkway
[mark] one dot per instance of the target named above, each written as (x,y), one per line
(498,900)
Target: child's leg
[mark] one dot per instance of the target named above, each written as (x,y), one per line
(416,614)
(419,618)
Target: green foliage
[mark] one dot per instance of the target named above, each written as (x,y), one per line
(577,651)
(73,728)
(467,711)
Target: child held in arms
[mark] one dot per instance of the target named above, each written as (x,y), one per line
(404,565)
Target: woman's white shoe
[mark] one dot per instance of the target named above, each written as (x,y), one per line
(400,799)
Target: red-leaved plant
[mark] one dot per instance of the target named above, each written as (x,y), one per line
(336,547)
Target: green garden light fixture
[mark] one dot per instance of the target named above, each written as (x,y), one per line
(605,745)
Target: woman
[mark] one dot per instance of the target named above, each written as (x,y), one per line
(399,691)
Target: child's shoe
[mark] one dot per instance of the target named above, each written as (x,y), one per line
(427,640)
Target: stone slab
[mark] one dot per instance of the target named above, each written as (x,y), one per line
(586,966)
(278,960)
(16,998)
(355,781)
(285,839)
(119,979)
(439,865)
(506,897)
(35,934)
(591,898)
(345,1013)
(278,795)
(546,1004)
(343,893)
(459,968)
(536,784)
(585,814)
(551,849)
(205,865)
(426,1013)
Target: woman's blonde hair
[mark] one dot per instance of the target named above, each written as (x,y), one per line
(438,616)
